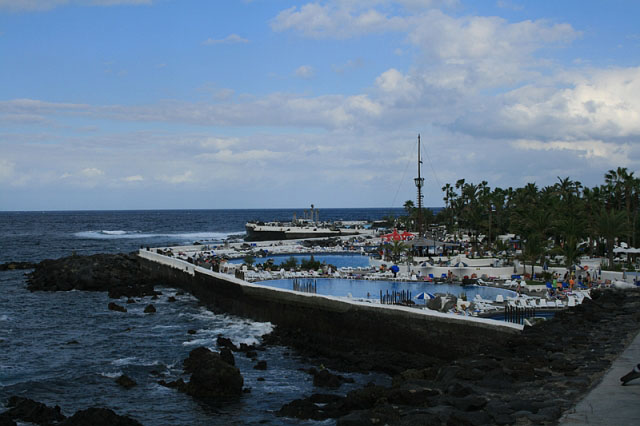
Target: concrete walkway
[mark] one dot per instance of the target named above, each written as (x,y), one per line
(610,403)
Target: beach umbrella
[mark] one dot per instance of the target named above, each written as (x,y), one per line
(406,235)
(395,269)
(424,296)
(394,236)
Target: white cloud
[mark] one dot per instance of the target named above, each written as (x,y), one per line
(185,177)
(304,71)
(613,154)
(594,105)
(91,172)
(341,21)
(218,143)
(134,178)
(230,39)
(7,170)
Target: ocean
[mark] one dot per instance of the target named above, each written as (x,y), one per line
(67,348)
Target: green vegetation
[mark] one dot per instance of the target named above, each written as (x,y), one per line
(249,260)
(564,219)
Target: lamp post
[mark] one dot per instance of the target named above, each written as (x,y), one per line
(419,181)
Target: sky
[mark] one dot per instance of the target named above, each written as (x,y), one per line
(169,104)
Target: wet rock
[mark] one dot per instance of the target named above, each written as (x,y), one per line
(28,410)
(316,407)
(260,379)
(95,416)
(210,376)
(130,301)
(261,365)
(115,307)
(176,384)
(224,342)
(411,393)
(73,342)
(227,356)
(191,331)
(119,274)
(6,420)
(150,309)
(126,381)
(325,379)
(246,348)
(171,299)
(251,354)
(11,266)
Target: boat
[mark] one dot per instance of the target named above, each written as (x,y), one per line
(309,226)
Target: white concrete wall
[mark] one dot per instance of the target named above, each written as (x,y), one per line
(331,302)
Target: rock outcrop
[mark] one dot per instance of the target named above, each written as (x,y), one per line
(532,379)
(11,266)
(211,376)
(119,274)
(96,416)
(28,410)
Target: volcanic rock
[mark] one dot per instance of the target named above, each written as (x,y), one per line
(126,381)
(210,376)
(224,342)
(119,274)
(261,365)
(115,307)
(10,266)
(530,378)
(150,309)
(325,379)
(95,416)
(6,420)
(28,410)
(227,356)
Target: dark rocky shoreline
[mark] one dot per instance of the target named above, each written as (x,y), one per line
(28,410)
(532,379)
(118,274)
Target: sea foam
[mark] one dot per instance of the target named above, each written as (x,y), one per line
(120,234)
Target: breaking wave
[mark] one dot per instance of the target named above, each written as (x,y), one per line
(120,234)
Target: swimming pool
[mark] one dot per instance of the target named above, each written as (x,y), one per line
(337,260)
(369,288)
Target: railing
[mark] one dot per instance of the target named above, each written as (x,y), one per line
(305,286)
(517,314)
(396,298)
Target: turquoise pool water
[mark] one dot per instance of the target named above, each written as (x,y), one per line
(366,288)
(337,260)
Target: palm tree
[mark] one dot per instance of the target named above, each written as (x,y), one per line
(397,248)
(409,206)
(570,252)
(533,250)
(611,224)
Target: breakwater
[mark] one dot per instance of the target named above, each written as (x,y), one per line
(331,320)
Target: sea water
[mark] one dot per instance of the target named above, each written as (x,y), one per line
(67,348)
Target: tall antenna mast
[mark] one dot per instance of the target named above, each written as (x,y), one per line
(419,184)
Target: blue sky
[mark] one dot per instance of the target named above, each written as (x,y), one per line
(127,104)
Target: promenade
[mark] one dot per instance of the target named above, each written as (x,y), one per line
(610,403)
